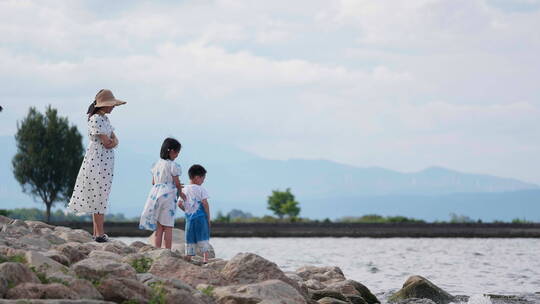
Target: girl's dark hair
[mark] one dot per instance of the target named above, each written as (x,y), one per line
(92,109)
(169,144)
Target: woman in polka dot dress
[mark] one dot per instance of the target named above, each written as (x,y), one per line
(93,185)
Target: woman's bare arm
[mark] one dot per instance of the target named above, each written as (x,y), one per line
(107,142)
(178,185)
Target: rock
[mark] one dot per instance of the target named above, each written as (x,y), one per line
(418,301)
(123,289)
(3,286)
(73,235)
(314,284)
(115,246)
(85,289)
(267,292)
(354,288)
(216,264)
(41,291)
(35,242)
(39,225)
(176,268)
(5,220)
(107,255)
(246,268)
(420,287)
(44,264)
(75,252)
(55,255)
(137,245)
(15,231)
(173,290)
(328,274)
(159,253)
(328,300)
(355,299)
(293,276)
(325,293)
(95,269)
(56,301)
(17,273)
(19,223)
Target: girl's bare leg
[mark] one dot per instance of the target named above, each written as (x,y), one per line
(158,235)
(94,233)
(205,257)
(167,237)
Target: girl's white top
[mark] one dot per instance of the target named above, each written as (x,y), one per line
(162,173)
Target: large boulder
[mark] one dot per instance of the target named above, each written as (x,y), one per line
(73,235)
(327,274)
(354,288)
(247,268)
(95,269)
(421,288)
(122,289)
(57,256)
(107,255)
(328,300)
(4,285)
(39,225)
(320,294)
(17,273)
(43,264)
(41,291)
(74,251)
(115,246)
(85,289)
(267,292)
(172,290)
(176,268)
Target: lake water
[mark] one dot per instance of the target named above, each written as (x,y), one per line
(460,266)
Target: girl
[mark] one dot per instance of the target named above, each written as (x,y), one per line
(159,210)
(93,185)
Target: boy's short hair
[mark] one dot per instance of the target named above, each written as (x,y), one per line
(196,170)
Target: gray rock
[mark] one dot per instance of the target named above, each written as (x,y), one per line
(85,289)
(41,291)
(354,288)
(17,273)
(320,294)
(122,289)
(314,284)
(3,286)
(115,246)
(44,264)
(5,220)
(73,235)
(328,300)
(39,225)
(57,256)
(177,268)
(58,301)
(355,299)
(137,245)
(95,269)
(327,272)
(107,255)
(267,292)
(216,264)
(75,252)
(416,301)
(421,288)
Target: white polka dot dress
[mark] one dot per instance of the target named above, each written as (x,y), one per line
(91,192)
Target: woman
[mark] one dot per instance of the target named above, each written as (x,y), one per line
(93,185)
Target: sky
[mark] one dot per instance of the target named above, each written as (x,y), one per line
(397,84)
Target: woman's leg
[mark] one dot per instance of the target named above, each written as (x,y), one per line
(98,224)
(167,236)
(94,226)
(158,235)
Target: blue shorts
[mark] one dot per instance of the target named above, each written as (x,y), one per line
(197,235)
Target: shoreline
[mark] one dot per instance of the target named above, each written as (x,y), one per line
(355,230)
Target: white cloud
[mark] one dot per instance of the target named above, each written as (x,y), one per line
(399,84)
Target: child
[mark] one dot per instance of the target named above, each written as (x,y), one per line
(159,210)
(195,205)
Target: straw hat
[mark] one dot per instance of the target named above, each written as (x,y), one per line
(105,98)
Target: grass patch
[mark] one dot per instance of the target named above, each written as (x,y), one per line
(142,265)
(208,290)
(158,293)
(18,258)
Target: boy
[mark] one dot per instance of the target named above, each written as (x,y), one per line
(197,213)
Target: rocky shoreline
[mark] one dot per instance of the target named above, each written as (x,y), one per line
(41,263)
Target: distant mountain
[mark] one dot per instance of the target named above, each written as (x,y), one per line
(240,180)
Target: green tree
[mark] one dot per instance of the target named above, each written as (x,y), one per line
(49,155)
(283,203)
